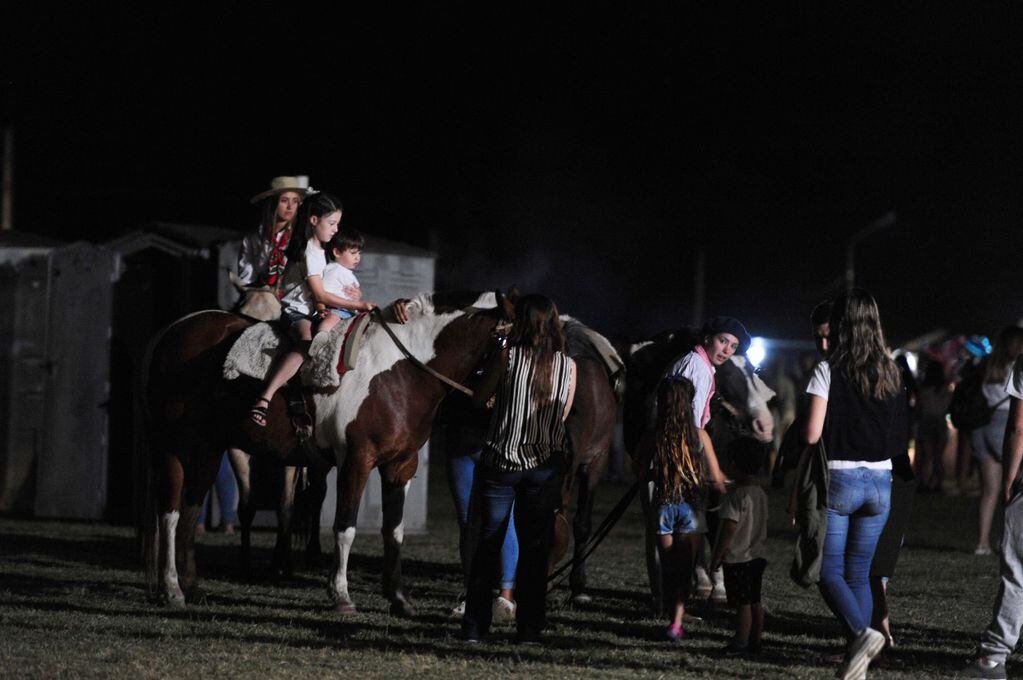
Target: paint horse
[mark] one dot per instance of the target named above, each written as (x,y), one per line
(379,417)
(738,409)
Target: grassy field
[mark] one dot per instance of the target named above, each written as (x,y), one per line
(72,603)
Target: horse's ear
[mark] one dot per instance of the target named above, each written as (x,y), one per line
(506,304)
(514,293)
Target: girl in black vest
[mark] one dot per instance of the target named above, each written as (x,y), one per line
(858,411)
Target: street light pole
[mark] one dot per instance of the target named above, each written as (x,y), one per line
(883,222)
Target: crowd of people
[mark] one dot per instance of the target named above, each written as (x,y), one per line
(848,435)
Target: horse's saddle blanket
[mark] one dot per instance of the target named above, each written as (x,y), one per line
(330,354)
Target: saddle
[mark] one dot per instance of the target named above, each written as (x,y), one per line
(583,341)
(330,354)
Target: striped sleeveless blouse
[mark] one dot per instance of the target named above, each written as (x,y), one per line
(523,436)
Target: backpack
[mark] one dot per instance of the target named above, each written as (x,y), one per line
(969,408)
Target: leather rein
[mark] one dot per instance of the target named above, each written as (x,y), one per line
(379,316)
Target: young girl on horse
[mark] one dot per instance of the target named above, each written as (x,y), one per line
(679,469)
(318,217)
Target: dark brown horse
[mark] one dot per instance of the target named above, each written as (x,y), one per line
(379,417)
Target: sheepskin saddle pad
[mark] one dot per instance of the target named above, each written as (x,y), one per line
(330,353)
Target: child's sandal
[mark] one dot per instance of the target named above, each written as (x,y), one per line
(257,413)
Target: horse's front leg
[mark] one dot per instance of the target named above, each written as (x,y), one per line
(351,482)
(282,563)
(241,464)
(316,492)
(393,530)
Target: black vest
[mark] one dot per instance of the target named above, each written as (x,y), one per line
(857,428)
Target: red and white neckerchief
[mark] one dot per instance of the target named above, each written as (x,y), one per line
(278,258)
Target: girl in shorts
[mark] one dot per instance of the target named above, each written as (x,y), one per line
(679,467)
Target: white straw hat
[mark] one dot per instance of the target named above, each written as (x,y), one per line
(278,185)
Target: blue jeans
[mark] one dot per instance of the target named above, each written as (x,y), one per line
(461,477)
(227,495)
(858,504)
(536,494)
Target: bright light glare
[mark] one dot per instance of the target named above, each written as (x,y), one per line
(911,361)
(756,352)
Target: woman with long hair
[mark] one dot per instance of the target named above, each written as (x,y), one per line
(987,439)
(523,463)
(858,413)
(263,253)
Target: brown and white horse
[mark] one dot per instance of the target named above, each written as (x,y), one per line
(379,417)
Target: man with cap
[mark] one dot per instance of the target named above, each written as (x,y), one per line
(723,336)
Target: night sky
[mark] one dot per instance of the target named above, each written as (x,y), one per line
(587,156)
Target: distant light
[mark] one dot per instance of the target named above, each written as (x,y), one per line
(756,352)
(911,361)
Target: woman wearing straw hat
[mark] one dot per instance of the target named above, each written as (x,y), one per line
(262,259)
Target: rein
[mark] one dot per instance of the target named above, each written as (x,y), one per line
(379,315)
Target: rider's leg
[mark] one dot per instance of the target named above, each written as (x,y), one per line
(287,366)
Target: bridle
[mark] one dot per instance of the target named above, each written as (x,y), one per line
(502,327)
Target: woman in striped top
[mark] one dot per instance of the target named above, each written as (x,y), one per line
(524,460)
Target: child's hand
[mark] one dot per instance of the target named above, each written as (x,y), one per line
(352,292)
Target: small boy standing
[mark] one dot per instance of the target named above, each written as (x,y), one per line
(742,545)
(338,276)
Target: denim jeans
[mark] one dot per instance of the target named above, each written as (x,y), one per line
(1003,632)
(858,504)
(227,495)
(536,494)
(461,477)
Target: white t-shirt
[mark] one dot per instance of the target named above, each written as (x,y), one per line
(1014,383)
(820,386)
(695,368)
(298,297)
(336,277)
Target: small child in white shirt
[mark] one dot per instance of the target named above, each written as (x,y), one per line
(339,279)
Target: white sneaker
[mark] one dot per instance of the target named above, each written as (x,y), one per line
(703,584)
(861,652)
(503,610)
(718,594)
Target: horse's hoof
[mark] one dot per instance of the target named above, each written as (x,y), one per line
(401,607)
(581,599)
(174,600)
(345,608)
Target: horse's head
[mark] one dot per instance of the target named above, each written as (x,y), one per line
(746,397)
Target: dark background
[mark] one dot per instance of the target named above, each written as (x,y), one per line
(585,154)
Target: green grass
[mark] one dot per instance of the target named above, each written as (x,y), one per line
(73,603)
